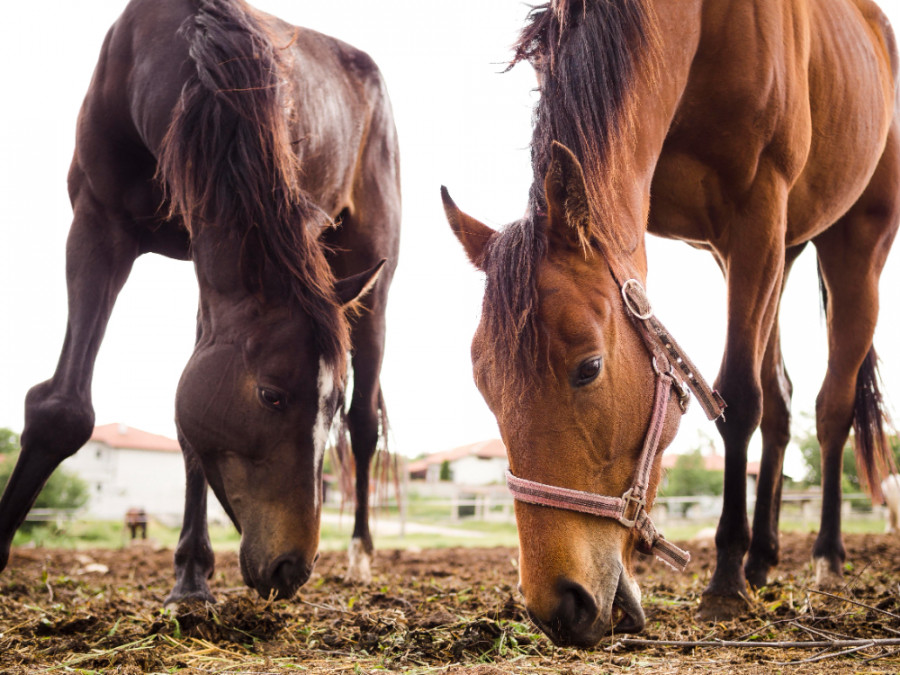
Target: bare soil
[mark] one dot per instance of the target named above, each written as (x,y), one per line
(433,611)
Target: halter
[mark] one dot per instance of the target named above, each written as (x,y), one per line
(630,509)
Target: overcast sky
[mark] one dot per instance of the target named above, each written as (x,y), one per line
(461,123)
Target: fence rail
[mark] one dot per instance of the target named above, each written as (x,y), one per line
(52,515)
(494,504)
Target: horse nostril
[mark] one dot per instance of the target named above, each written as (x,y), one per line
(577,611)
(574,623)
(288,573)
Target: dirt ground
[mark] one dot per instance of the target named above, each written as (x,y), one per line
(433,611)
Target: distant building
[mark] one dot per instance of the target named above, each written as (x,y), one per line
(481,463)
(713,461)
(485,463)
(128,468)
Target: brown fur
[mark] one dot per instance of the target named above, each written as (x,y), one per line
(227,161)
(748,129)
(199,139)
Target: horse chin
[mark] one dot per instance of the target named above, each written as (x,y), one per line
(627,613)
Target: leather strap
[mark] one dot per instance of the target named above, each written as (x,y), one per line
(630,509)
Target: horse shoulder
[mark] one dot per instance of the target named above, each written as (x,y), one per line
(123,117)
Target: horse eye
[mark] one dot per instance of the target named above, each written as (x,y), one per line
(271,398)
(588,371)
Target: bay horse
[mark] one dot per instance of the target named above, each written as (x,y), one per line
(267,155)
(748,129)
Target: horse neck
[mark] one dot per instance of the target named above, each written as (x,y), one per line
(619,190)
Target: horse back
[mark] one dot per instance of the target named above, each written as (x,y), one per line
(331,94)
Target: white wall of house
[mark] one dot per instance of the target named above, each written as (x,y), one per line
(474,471)
(119,479)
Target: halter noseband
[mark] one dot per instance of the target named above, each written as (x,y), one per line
(630,509)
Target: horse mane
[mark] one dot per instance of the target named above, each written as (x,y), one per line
(586,54)
(227,162)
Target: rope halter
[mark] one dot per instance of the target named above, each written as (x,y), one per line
(629,510)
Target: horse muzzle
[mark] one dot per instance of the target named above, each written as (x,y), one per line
(279,578)
(581,620)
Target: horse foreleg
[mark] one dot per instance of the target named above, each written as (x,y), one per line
(59,414)
(775,427)
(754,275)
(364,420)
(194,558)
(776,434)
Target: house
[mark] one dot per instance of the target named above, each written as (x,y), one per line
(481,463)
(128,468)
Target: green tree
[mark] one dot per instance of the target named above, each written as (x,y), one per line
(812,458)
(690,477)
(446,473)
(63,490)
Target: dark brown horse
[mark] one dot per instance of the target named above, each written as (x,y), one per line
(267,155)
(748,129)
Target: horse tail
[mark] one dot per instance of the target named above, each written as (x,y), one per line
(385,464)
(227,160)
(874,457)
(386,472)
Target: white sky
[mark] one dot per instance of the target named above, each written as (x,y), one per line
(461,123)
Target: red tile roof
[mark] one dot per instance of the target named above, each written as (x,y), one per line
(489,449)
(127,438)
(711,462)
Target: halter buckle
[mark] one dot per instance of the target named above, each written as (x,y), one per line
(628,498)
(636,301)
(681,389)
(683,393)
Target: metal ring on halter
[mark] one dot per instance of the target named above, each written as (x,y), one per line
(627,500)
(683,393)
(631,305)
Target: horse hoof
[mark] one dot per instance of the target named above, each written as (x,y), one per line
(359,568)
(722,607)
(757,577)
(828,574)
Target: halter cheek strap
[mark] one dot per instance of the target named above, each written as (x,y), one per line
(630,509)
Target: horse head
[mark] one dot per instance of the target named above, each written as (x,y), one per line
(572,384)
(255,404)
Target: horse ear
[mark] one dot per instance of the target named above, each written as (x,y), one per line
(472,234)
(352,289)
(567,206)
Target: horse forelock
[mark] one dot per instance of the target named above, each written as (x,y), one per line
(509,313)
(227,163)
(588,55)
